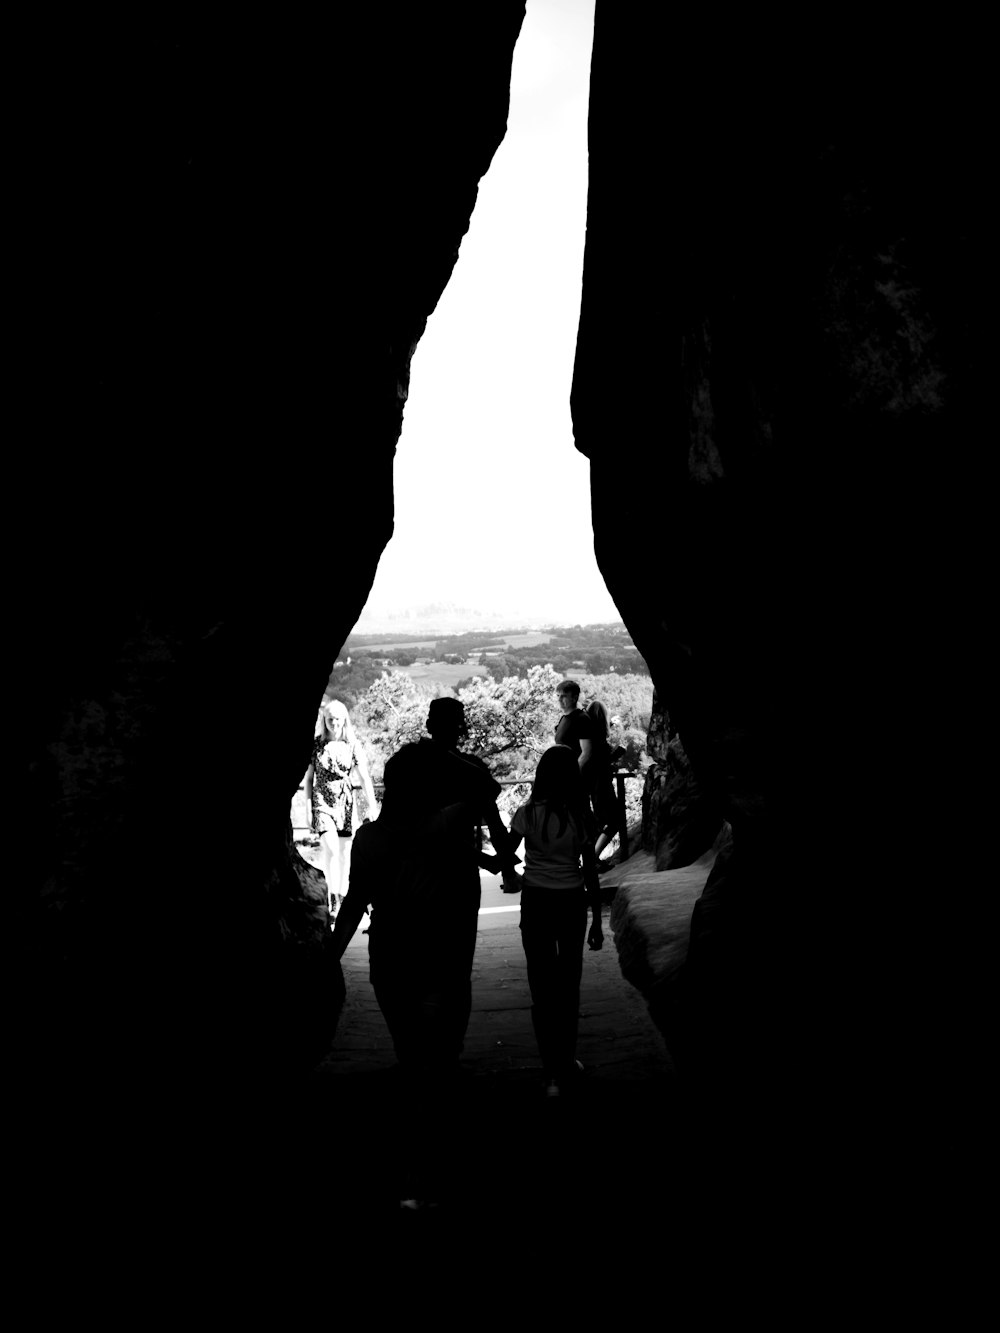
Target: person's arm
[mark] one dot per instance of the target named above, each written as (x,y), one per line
(368,871)
(586,748)
(503,843)
(512,880)
(361,763)
(483,792)
(595,936)
(307,786)
(352,909)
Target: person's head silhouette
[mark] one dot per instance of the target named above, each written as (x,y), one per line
(557,777)
(407,796)
(598,714)
(446,721)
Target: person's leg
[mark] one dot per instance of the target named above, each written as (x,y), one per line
(402,1010)
(607,816)
(340,865)
(413,1006)
(346,847)
(571,930)
(327,852)
(397,1010)
(458,938)
(541,956)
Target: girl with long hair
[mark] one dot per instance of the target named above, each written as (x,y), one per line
(559,880)
(599,785)
(337,771)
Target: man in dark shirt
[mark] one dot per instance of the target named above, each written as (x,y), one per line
(431,777)
(464,779)
(574,727)
(453,779)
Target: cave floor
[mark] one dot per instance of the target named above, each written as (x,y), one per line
(509,1155)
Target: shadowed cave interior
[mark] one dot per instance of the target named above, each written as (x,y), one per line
(779,331)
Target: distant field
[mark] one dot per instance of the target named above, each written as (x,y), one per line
(442,673)
(392,644)
(528,640)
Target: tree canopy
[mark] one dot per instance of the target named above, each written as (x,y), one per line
(511,721)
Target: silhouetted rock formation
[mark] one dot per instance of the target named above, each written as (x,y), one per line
(239,237)
(243,229)
(779,316)
(679,823)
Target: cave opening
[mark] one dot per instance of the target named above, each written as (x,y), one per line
(492,551)
(816,265)
(492,503)
(490,582)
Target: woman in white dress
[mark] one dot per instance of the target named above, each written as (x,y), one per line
(338,770)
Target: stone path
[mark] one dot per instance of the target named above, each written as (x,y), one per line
(594,1157)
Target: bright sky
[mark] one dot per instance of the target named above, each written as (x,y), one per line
(492,499)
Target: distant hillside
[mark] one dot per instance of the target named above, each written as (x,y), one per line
(445,619)
(448,660)
(433,618)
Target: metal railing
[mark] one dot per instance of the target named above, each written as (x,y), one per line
(620,779)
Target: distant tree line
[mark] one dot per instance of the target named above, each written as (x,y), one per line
(596,662)
(572,650)
(601,649)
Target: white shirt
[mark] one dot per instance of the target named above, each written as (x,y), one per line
(552,862)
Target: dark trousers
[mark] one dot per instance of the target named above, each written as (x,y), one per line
(553,927)
(423,985)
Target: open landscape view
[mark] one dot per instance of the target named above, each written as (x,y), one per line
(506,681)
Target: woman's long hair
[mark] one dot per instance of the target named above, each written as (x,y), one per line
(322,729)
(557,787)
(598,714)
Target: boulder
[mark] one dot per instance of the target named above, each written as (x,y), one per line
(679,822)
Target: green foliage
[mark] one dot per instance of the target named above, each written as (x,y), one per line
(349,683)
(511,721)
(391,713)
(603,649)
(501,666)
(470,642)
(627,697)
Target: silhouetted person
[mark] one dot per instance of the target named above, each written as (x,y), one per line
(453,780)
(457,779)
(559,881)
(430,861)
(597,777)
(410,871)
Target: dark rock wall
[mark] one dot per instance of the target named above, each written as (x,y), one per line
(781,318)
(233,240)
(679,821)
(237,234)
